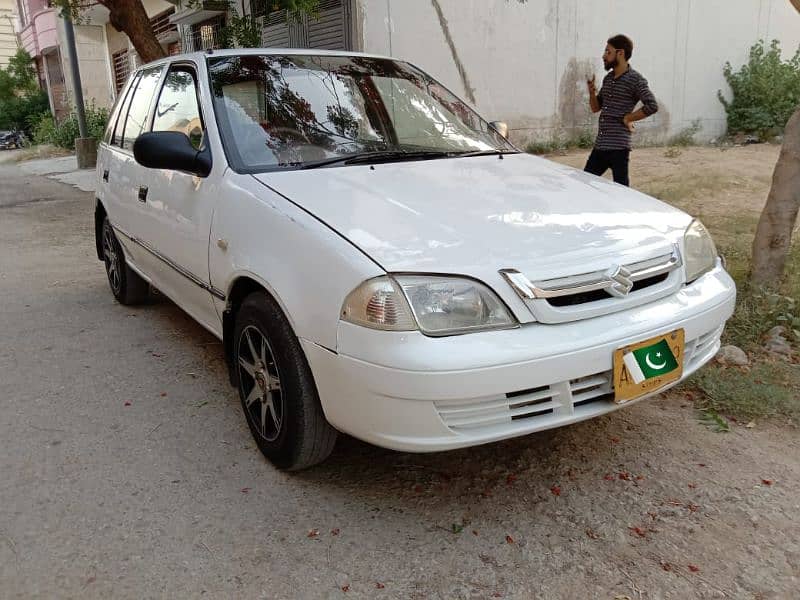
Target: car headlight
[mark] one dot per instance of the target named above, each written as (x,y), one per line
(438,306)
(700,253)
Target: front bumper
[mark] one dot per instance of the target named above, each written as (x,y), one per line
(406,391)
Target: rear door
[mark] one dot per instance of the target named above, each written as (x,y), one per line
(121,176)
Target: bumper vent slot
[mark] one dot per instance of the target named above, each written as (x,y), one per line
(548,405)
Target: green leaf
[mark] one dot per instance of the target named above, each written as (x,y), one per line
(713,421)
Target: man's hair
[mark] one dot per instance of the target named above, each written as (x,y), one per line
(622,42)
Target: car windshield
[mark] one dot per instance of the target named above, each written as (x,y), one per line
(291,111)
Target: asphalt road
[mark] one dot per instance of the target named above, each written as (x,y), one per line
(127,471)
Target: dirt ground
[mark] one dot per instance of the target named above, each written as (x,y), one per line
(127,469)
(715,180)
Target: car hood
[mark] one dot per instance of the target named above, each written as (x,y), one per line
(476,215)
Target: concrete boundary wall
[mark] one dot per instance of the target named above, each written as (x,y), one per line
(527,62)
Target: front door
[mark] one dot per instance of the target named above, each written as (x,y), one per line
(180,206)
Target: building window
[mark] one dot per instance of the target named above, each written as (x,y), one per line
(161,24)
(258,8)
(204,35)
(122,68)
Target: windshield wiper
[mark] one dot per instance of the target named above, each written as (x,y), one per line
(485,153)
(378,156)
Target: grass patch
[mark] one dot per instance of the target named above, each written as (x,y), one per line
(770,387)
(680,189)
(40,151)
(559,143)
(767,389)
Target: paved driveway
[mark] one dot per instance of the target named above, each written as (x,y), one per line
(127,471)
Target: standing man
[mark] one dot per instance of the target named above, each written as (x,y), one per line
(622,89)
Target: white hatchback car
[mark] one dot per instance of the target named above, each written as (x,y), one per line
(379,260)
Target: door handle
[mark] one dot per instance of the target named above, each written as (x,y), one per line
(105,175)
(143,193)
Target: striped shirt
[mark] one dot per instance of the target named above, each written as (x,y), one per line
(617,98)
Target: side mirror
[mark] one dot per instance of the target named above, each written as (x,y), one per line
(171,150)
(500,127)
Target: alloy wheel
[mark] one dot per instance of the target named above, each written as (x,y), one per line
(112,259)
(260,383)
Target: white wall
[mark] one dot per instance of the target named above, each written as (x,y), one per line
(527,62)
(90,45)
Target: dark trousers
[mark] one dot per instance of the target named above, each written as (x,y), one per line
(617,160)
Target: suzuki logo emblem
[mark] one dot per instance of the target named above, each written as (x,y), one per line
(619,281)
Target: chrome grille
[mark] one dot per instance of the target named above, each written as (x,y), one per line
(601,291)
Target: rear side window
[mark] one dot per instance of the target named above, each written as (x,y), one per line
(136,118)
(177,108)
(112,121)
(119,123)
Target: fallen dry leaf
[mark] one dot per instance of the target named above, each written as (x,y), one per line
(638,531)
(751,425)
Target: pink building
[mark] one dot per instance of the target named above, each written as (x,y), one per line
(38,34)
(105,55)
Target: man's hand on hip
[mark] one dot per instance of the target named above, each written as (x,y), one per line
(628,120)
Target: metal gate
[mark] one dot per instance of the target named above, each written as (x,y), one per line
(331,30)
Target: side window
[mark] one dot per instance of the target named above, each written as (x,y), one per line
(136,120)
(119,121)
(177,108)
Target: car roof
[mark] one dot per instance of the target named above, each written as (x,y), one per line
(200,57)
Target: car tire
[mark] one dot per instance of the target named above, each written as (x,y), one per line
(276,387)
(126,285)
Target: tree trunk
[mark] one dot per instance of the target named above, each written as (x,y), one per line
(774,233)
(129,17)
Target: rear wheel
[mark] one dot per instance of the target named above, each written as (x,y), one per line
(276,387)
(126,285)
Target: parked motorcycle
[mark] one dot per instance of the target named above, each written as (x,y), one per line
(12,139)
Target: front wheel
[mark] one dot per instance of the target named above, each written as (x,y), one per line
(276,387)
